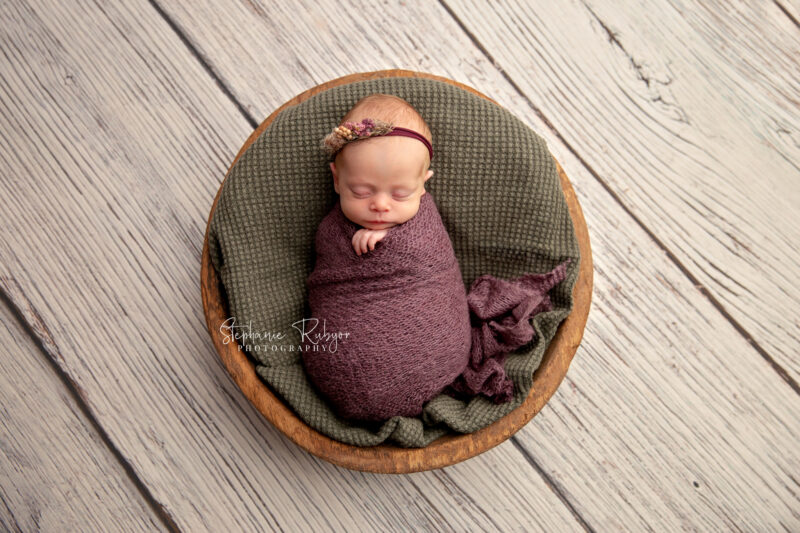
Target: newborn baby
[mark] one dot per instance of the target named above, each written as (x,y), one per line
(388,284)
(386,273)
(380,182)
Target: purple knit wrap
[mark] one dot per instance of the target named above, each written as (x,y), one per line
(405,319)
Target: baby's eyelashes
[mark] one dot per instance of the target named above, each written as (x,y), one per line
(361,192)
(397,195)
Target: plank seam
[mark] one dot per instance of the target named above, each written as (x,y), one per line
(203,63)
(554,486)
(786,12)
(78,396)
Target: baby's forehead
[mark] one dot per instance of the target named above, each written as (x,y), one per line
(385,177)
(399,151)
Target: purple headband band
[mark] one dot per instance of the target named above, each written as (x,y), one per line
(405,132)
(354,131)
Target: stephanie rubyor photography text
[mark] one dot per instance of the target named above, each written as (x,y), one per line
(314,337)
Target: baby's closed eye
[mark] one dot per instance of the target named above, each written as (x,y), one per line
(361,192)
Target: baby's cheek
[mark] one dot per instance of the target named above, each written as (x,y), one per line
(351,208)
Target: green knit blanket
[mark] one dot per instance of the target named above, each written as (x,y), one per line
(499,196)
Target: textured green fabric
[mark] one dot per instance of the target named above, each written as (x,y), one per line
(498,193)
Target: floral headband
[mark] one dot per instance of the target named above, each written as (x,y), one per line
(354,131)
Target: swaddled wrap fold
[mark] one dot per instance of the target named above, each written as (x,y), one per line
(406,329)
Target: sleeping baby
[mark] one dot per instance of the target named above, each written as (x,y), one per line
(386,273)
(380,183)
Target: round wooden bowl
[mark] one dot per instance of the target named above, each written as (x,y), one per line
(387,458)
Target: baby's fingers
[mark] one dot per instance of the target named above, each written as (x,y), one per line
(357,241)
(373,239)
(365,240)
(365,243)
(360,242)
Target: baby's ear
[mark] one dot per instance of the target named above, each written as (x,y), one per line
(335,177)
(428,175)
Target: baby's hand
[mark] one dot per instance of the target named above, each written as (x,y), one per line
(365,239)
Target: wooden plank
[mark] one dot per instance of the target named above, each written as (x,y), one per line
(121,139)
(690,116)
(664,392)
(56,472)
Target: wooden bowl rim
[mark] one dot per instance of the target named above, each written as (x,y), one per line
(388,458)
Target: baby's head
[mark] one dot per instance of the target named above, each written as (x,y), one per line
(381,179)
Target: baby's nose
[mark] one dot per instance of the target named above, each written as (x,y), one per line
(380,203)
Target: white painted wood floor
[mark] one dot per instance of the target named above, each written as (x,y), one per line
(678,124)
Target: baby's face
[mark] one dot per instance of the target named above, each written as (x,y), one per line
(380,181)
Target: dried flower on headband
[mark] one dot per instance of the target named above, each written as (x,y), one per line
(353,131)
